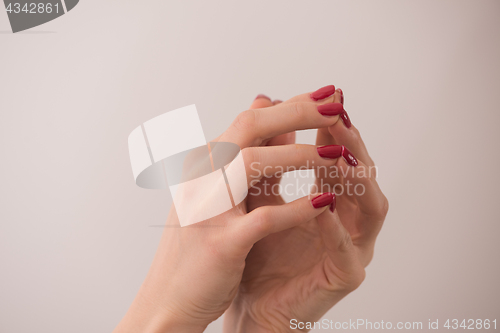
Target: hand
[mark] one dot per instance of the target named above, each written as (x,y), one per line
(197,269)
(300,273)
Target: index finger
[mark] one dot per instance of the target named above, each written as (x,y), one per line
(252,127)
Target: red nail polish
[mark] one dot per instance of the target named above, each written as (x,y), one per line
(345,119)
(323,93)
(334,203)
(331,109)
(262,96)
(341,96)
(330,151)
(277,101)
(322,200)
(349,157)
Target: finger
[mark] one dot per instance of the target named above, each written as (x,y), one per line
(349,135)
(323,136)
(337,96)
(280,140)
(270,182)
(275,160)
(266,220)
(261,101)
(283,139)
(253,127)
(322,95)
(360,183)
(342,262)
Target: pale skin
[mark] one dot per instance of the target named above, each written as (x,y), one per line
(266,261)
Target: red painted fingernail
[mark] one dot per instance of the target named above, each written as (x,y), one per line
(323,93)
(322,200)
(331,109)
(345,119)
(334,203)
(277,101)
(341,96)
(349,157)
(330,151)
(262,96)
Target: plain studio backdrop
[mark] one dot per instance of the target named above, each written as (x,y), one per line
(422,83)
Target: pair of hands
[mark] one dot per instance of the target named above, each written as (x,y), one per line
(266,262)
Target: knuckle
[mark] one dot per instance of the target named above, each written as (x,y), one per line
(262,222)
(246,120)
(251,160)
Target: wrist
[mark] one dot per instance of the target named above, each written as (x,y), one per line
(245,315)
(245,318)
(245,323)
(145,316)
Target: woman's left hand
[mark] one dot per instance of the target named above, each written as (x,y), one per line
(300,273)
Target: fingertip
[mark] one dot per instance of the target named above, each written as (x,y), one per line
(333,205)
(346,119)
(322,93)
(322,200)
(341,95)
(261,101)
(262,96)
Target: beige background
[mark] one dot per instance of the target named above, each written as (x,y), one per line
(422,82)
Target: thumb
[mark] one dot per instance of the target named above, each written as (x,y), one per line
(266,220)
(342,262)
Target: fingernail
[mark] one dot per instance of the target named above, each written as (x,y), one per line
(345,119)
(262,96)
(330,151)
(334,203)
(341,96)
(323,93)
(322,200)
(277,101)
(349,157)
(330,109)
